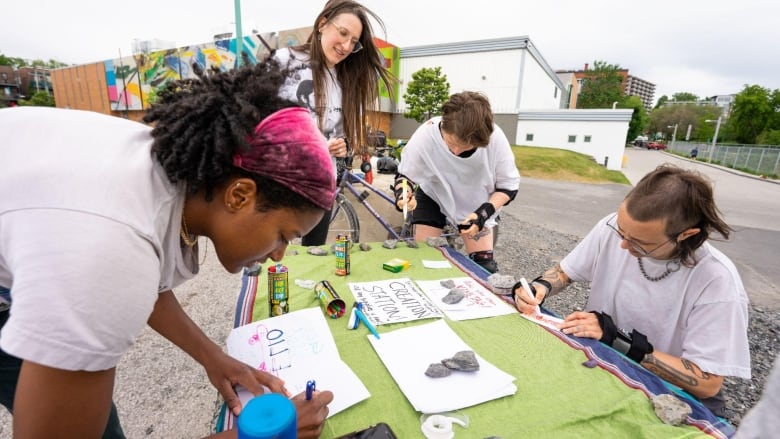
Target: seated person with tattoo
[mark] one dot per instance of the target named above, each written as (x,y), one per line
(659,292)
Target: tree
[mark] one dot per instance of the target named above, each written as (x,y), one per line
(752,113)
(684,96)
(426,93)
(39,99)
(638,118)
(601,87)
(661,101)
(683,115)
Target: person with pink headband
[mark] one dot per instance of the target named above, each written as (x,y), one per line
(101,218)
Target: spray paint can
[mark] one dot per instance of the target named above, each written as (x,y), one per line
(342,247)
(329,298)
(278,291)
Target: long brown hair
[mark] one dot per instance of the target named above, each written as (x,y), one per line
(359,74)
(684,199)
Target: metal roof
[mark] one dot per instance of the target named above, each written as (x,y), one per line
(590,115)
(476,46)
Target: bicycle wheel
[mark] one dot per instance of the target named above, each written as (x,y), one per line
(343,220)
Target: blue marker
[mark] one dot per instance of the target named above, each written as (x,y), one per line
(365,321)
(311,385)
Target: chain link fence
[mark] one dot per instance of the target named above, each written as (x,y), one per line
(759,160)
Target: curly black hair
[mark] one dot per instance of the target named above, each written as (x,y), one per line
(200,123)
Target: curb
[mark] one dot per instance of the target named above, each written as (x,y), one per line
(724,168)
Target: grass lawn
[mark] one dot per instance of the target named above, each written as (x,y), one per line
(560,164)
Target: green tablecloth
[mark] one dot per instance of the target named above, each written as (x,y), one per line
(556,395)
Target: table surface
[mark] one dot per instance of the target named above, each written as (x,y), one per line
(557,396)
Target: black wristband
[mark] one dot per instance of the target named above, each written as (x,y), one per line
(485,211)
(543,282)
(635,345)
(520,285)
(398,189)
(608,328)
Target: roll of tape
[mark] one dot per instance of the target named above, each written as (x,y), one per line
(438,427)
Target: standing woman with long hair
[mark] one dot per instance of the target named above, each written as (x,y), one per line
(336,75)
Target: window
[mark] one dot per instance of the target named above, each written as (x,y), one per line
(586,139)
(529,137)
(572,139)
(555,93)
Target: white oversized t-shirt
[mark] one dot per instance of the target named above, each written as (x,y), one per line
(698,313)
(459,185)
(89,234)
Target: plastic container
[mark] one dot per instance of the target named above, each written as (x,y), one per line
(268,416)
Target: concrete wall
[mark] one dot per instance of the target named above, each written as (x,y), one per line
(607,130)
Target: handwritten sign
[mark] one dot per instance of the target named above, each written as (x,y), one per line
(478,302)
(393,301)
(297,347)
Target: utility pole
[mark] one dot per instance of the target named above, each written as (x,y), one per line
(239,35)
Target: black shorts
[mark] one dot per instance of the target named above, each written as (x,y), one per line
(427,212)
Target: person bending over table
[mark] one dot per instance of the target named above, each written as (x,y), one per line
(336,75)
(659,292)
(465,171)
(100,219)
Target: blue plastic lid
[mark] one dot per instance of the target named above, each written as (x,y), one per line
(268,416)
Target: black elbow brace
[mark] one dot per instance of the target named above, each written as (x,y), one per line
(635,345)
(510,194)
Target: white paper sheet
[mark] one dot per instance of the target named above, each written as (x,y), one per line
(436,264)
(408,352)
(478,302)
(297,347)
(393,301)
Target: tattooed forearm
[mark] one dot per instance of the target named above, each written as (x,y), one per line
(557,278)
(695,369)
(667,372)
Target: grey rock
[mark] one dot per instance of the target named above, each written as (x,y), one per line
(317,251)
(501,283)
(671,409)
(465,361)
(436,241)
(411,243)
(454,296)
(390,243)
(447,283)
(291,252)
(438,370)
(364,246)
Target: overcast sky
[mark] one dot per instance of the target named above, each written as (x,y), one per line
(705,48)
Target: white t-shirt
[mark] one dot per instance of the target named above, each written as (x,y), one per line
(89,234)
(459,185)
(698,313)
(299,87)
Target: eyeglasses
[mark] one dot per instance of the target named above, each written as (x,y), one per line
(344,33)
(634,245)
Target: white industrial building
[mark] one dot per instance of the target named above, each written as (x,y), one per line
(526,95)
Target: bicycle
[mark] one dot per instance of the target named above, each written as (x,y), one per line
(344,218)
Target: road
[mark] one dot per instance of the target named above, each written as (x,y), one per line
(750,205)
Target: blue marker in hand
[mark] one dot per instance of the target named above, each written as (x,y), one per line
(311,386)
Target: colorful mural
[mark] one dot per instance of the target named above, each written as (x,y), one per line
(133,81)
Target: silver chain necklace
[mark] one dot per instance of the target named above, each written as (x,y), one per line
(671,267)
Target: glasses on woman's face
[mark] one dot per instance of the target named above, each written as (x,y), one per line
(344,33)
(633,244)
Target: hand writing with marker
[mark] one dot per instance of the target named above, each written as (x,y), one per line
(311,407)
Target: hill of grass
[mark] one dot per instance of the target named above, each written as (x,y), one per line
(560,164)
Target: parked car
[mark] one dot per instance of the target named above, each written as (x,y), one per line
(656,145)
